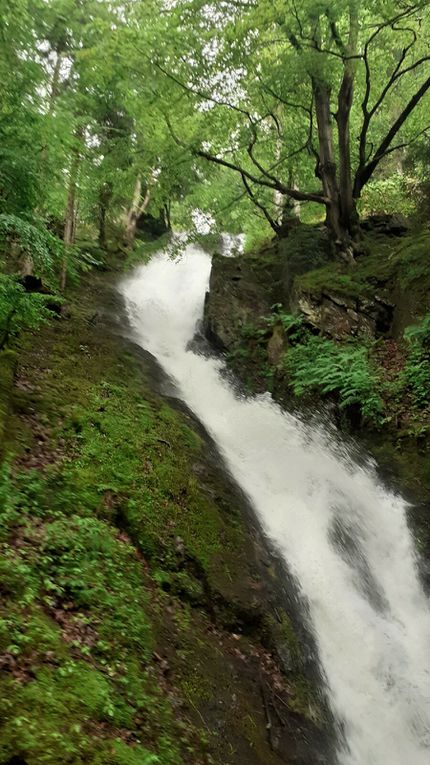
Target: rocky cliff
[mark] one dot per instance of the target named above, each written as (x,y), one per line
(365,308)
(384,292)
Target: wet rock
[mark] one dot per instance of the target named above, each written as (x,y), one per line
(276,345)
(339,317)
(243,290)
(389,225)
(238,296)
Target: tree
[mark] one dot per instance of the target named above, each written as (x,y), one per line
(334,84)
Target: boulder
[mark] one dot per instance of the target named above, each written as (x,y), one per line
(338,317)
(389,225)
(242,290)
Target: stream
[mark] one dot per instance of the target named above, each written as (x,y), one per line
(343,536)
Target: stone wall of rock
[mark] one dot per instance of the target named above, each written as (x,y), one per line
(338,317)
(243,290)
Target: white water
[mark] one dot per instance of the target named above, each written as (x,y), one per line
(341,533)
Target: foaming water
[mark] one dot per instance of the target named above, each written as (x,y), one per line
(342,534)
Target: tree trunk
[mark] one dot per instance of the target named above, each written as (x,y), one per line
(348,212)
(105,196)
(327,164)
(55,81)
(53,94)
(137,208)
(70,214)
(167,215)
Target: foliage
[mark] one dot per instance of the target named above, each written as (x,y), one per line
(45,249)
(252,82)
(344,370)
(395,194)
(293,325)
(416,375)
(90,107)
(19,309)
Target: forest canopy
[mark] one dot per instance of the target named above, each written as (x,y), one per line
(249,111)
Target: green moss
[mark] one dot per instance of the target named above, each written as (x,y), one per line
(387,261)
(90,544)
(7,368)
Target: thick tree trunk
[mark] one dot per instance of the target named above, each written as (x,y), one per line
(327,164)
(105,196)
(348,212)
(347,203)
(137,208)
(131,219)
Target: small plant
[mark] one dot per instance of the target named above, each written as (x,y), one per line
(294,326)
(8,498)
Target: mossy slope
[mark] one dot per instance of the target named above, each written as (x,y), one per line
(132,607)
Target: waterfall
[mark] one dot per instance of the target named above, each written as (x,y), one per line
(343,535)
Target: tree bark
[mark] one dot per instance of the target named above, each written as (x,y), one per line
(348,213)
(137,208)
(105,195)
(70,214)
(327,163)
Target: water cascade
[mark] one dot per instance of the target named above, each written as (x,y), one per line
(343,536)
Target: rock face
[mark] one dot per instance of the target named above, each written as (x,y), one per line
(241,291)
(338,316)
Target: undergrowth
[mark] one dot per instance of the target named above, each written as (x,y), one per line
(327,367)
(350,372)
(416,374)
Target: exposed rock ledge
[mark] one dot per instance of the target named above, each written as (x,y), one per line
(243,290)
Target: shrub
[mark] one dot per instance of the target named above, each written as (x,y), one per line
(45,249)
(19,309)
(396,194)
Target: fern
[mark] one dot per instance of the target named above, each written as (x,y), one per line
(416,376)
(325,367)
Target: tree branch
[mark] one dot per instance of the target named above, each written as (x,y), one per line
(396,74)
(300,196)
(199,93)
(273,224)
(364,173)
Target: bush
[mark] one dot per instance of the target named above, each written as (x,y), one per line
(396,194)
(325,367)
(45,249)
(19,309)
(417,370)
